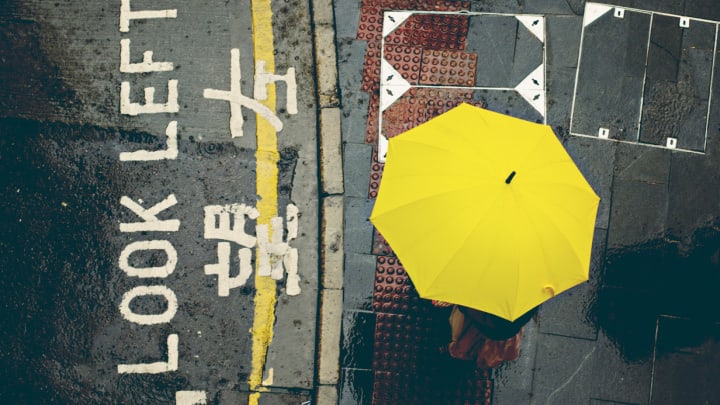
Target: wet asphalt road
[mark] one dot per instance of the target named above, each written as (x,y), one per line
(94,311)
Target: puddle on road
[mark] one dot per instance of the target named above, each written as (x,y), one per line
(660,277)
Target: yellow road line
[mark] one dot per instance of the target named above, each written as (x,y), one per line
(266,158)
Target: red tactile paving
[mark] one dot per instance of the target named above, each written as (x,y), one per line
(393,292)
(371,21)
(405,113)
(376,171)
(406,60)
(442,32)
(421,104)
(371,13)
(431,31)
(420,5)
(399,339)
(371,68)
(453,68)
(393,388)
(371,127)
(380,246)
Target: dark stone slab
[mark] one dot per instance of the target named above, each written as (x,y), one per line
(358,229)
(707,9)
(595,159)
(513,381)
(492,38)
(687,363)
(626,317)
(527,54)
(497,6)
(567,314)
(359,277)
(563,40)
(610,78)
(595,401)
(642,164)
(507,51)
(694,199)
(351,56)
(664,52)
(560,86)
(356,387)
(673,277)
(357,162)
(615,378)
(665,6)
(548,7)
(638,213)
(358,336)
(562,370)
(677,87)
(692,129)
(508,102)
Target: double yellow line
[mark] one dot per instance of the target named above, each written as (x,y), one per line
(266,158)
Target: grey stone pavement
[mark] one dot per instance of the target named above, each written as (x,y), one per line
(645,329)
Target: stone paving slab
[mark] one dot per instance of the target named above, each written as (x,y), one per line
(686,349)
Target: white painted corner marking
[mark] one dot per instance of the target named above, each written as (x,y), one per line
(593,11)
(393,19)
(392,85)
(532,89)
(535,24)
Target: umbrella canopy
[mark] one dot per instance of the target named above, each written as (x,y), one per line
(486,211)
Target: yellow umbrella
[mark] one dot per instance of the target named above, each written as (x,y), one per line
(486,211)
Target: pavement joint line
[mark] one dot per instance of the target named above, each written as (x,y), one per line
(332,186)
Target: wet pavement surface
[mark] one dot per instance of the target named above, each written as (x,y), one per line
(127,210)
(643,74)
(644,328)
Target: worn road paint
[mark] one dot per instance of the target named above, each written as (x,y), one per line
(266,185)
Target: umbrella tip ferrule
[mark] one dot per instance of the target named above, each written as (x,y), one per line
(510,177)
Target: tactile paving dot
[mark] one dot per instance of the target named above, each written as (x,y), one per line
(454,68)
(371,21)
(406,60)
(458,385)
(400,340)
(393,290)
(432,31)
(372,123)
(402,115)
(371,68)
(376,171)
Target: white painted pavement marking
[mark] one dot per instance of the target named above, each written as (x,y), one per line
(127,15)
(393,85)
(237,100)
(158,367)
(150,107)
(146,66)
(594,11)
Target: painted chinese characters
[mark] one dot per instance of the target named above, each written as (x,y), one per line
(237,100)
(275,257)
